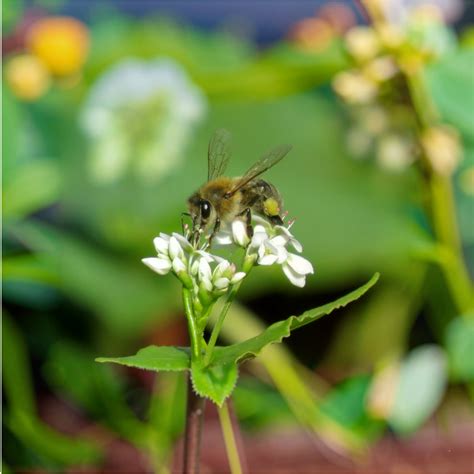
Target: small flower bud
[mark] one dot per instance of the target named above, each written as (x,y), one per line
(354,87)
(441,145)
(362,43)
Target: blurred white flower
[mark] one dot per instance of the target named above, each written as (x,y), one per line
(394,152)
(140,115)
(354,87)
(399,12)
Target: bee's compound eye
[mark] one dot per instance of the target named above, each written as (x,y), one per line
(205,209)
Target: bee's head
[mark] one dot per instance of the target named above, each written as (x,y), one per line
(201,210)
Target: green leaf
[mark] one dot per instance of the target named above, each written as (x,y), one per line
(214,382)
(278,331)
(55,446)
(17,381)
(98,389)
(346,404)
(28,267)
(450,82)
(122,293)
(34,186)
(168,358)
(421,385)
(460,348)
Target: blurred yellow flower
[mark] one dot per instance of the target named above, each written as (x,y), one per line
(27,76)
(442,147)
(354,87)
(381,69)
(362,43)
(61,43)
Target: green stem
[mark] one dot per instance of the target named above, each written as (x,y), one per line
(229,440)
(218,326)
(192,324)
(442,205)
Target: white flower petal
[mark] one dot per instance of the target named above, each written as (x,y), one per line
(282,255)
(206,256)
(161,245)
(207,284)
(220,269)
(299,264)
(296,245)
(238,277)
(178,265)
(194,267)
(183,242)
(279,241)
(175,249)
(239,233)
(204,270)
(269,259)
(295,278)
(221,283)
(223,238)
(159,265)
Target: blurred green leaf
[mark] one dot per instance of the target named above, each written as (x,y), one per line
(460,348)
(34,185)
(346,403)
(11,132)
(11,14)
(28,267)
(20,415)
(167,411)
(122,294)
(225,67)
(450,82)
(258,405)
(17,381)
(155,358)
(278,331)
(5,469)
(214,382)
(51,444)
(95,388)
(421,385)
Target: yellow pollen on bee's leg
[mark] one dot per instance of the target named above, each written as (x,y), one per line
(271,207)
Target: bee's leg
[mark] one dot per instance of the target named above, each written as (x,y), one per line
(247,214)
(217,226)
(276,220)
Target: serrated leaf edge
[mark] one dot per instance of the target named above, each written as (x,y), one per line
(310,314)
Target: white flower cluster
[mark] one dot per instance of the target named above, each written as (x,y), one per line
(210,276)
(269,245)
(139,117)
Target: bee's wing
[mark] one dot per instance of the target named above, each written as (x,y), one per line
(218,154)
(269,159)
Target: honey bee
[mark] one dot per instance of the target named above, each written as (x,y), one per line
(221,199)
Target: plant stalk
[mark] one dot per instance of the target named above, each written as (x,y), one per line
(229,440)
(192,434)
(194,335)
(220,321)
